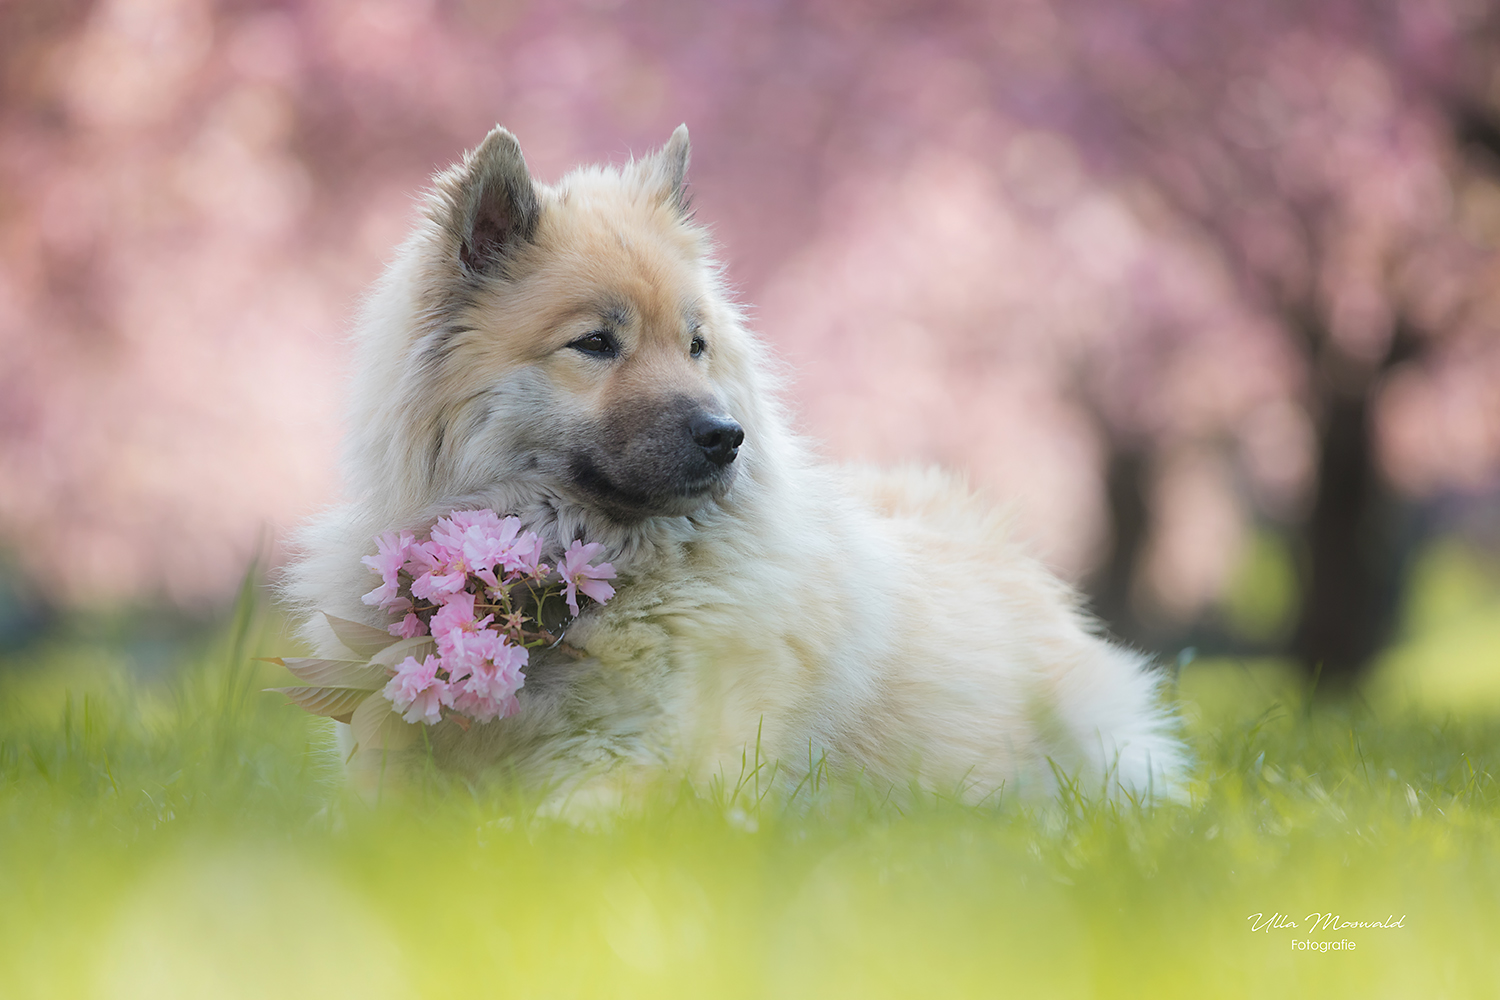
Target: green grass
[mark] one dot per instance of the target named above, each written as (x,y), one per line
(186,836)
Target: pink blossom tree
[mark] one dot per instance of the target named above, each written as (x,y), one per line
(1149,271)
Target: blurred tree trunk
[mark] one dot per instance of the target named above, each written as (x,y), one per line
(1129,519)
(1354,552)
(1348,597)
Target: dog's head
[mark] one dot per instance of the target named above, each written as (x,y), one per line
(569,341)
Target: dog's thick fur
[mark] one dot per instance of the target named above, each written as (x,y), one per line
(886,623)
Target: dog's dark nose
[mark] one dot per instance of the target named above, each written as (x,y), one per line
(719,437)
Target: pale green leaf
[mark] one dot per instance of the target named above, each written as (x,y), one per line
(359,674)
(378,727)
(418,646)
(362,639)
(334,702)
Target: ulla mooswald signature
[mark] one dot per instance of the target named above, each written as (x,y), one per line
(1313,923)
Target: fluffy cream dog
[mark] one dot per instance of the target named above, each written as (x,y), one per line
(567,353)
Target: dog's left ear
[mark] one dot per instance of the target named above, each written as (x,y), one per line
(664,173)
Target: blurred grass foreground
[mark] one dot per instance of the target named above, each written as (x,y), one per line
(187,836)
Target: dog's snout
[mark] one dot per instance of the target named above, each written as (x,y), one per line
(719,437)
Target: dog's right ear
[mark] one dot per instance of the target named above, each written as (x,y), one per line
(493,204)
(664,172)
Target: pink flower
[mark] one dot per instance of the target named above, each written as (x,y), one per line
(526,556)
(456,616)
(487,548)
(434,572)
(494,677)
(447,539)
(484,519)
(390,555)
(467,649)
(417,692)
(383,595)
(422,557)
(470,542)
(478,537)
(388,561)
(464,542)
(408,627)
(578,575)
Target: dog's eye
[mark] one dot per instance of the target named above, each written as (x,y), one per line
(597,344)
(697,347)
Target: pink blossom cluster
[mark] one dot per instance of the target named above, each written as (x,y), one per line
(465,586)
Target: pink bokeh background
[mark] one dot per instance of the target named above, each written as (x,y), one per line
(1002,237)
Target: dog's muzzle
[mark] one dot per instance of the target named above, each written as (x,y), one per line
(656,458)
